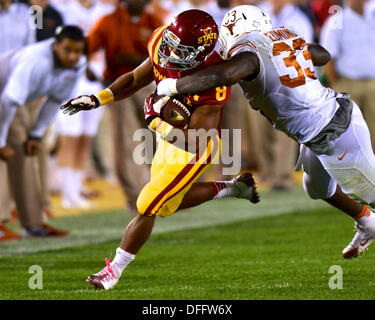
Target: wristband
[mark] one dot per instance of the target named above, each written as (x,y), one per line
(161,127)
(173,86)
(105,97)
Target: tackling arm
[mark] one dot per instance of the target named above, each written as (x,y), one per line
(244,65)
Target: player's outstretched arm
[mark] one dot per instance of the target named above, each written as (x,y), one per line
(319,55)
(123,87)
(131,82)
(244,65)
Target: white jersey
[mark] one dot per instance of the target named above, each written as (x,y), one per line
(286,90)
(32,73)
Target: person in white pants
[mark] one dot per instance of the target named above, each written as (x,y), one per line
(78,132)
(48,69)
(275,69)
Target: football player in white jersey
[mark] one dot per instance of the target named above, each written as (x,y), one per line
(274,67)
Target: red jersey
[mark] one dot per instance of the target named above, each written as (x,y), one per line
(217,96)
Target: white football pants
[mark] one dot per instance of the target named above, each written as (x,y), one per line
(350,164)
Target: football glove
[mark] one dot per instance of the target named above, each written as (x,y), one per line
(151,109)
(80,103)
(88,102)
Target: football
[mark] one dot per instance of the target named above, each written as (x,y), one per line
(175,113)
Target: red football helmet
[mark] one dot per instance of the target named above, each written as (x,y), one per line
(188,40)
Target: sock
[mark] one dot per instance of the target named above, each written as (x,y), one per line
(223,189)
(66,175)
(366,217)
(121,261)
(364,213)
(78,181)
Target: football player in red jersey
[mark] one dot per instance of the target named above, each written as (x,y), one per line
(184,46)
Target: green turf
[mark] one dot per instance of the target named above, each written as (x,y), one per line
(273,257)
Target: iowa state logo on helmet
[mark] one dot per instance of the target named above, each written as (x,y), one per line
(208,37)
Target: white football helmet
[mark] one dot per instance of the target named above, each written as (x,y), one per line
(242,19)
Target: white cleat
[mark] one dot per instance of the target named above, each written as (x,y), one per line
(105,279)
(246,187)
(360,243)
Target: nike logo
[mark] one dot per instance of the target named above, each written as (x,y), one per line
(342,157)
(363,243)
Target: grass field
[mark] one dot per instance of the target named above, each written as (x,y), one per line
(280,249)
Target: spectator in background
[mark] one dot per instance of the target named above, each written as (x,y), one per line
(15,31)
(235,3)
(77,132)
(321,10)
(305,7)
(284,13)
(124,36)
(350,39)
(158,8)
(46,69)
(218,9)
(51,20)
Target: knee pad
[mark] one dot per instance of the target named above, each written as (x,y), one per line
(317,182)
(316,189)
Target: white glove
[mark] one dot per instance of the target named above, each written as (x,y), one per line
(167,87)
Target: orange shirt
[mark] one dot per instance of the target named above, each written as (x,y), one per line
(124,41)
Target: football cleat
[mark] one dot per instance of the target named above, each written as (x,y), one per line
(360,243)
(105,279)
(44,230)
(246,187)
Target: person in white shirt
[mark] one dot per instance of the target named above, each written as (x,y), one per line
(15,31)
(275,68)
(349,36)
(284,13)
(46,69)
(77,132)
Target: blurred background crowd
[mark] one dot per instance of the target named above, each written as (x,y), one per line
(100,143)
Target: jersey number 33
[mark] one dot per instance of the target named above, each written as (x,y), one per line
(293,62)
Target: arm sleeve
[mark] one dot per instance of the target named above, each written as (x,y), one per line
(31,36)
(330,37)
(46,114)
(21,83)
